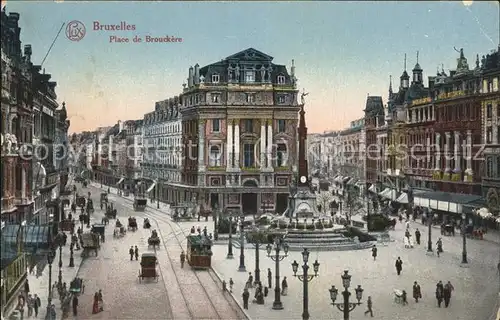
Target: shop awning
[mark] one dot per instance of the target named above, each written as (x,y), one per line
(36,237)
(352,181)
(389,193)
(445,201)
(403,198)
(120,181)
(151,187)
(373,188)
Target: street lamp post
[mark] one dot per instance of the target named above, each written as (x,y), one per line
(305,278)
(59,278)
(346,307)
(71,257)
(230,243)
(158,194)
(242,267)
(214,217)
(50,259)
(279,244)
(428,215)
(464,239)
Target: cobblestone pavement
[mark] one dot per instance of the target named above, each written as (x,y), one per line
(191,295)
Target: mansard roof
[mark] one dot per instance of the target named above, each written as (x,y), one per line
(374,106)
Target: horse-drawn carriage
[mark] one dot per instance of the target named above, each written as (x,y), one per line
(154,240)
(120,230)
(66,225)
(76,286)
(110,211)
(148,267)
(104,199)
(99,229)
(140,204)
(146,224)
(447,230)
(132,224)
(90,242)
(199,251)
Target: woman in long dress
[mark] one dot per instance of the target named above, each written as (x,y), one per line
(95,305)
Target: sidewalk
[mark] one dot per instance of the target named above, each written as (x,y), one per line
(40,285)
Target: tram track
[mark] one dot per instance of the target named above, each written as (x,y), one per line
(218,309)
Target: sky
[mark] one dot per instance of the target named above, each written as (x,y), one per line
(343,51)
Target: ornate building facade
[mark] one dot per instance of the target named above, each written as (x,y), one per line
(239,130)
(490,112)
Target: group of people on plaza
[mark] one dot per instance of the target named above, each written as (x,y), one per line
(133,252)
(29,301)
(98,304)
(261,291)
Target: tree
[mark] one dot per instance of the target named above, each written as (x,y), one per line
(323,199)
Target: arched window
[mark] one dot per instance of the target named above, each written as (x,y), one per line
(215,156)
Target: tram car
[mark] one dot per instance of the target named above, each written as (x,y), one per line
(140,204)
(199,251)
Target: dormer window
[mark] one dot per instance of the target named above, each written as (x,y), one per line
(250,76)
(215,78)
(281,79)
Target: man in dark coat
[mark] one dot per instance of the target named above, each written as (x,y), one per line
(448,288)
(399,265)
(131,253)
(439,293)
(270,278)
(183,258)
(417,236)
(246,296)
(374,253)
(136,253)
(75,305)
(417,292)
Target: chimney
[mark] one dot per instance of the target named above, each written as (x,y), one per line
(27,52)
(292,70)
(197,74)
(190,78)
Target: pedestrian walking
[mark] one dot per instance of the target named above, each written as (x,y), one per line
(231,284)
(270,276)
(417,292)
(439,293)
(246,296)
(417,236)
(399,266)
(404,297)
(250,279)
(26,287)
(131,253)
(136,253)
(37,304)
(266,291)
(284,287)
(448,288)
(439,245)
(52,312)
(101,301)
(224,286)
(374,253)
(369,305)
(75,305)
(95,305)
(21,302)
(29,303)
(183,258)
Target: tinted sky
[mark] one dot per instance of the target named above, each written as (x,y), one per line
(342,50)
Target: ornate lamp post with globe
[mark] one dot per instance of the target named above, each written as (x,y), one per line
(50,259)
(346,307)
(279,245)
(305,278)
